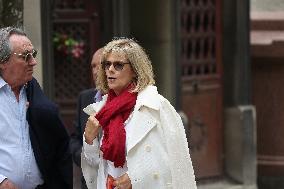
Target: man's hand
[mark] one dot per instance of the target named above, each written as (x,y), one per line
(123,182)
(7,184)
(92,129)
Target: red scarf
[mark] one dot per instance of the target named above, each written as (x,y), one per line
(112,117)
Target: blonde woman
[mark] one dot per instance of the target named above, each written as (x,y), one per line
(143,142)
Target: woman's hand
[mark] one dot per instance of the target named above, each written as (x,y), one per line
(91,129)
(7,184)
(123,182)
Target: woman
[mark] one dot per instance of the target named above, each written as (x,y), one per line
(143,142)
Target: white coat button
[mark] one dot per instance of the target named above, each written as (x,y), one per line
(169,185)
(156,175)
(148,148)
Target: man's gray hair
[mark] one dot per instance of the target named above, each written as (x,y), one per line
(5,47)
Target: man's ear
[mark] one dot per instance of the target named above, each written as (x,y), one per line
(2,66)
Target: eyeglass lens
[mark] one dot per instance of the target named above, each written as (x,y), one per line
(28,56)
(118,66)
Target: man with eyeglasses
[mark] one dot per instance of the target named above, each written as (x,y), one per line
(34,151)
(85,98)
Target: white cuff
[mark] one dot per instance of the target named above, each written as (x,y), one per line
(2,177)
(89,150)
(91,153)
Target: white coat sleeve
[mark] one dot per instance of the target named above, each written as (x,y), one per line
(2,177)
(179,158)
(90,158)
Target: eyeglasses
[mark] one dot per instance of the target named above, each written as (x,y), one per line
(27,55)
(118,66)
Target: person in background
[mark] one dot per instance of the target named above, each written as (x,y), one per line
(143,142)
(34,151)
(85,98)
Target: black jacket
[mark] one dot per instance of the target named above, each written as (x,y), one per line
(49,139)
(85,98)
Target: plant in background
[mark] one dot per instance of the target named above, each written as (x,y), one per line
(67,46)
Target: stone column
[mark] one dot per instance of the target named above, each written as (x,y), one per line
(239,113)
(32,26)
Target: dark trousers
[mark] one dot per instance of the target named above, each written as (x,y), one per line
(40,187)
(83,183)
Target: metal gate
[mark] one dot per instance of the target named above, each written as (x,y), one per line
(201,76)
(76,35)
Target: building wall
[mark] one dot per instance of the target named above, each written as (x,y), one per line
(32,26)
(267,5)
(151,24)
(267,37)
(239,112)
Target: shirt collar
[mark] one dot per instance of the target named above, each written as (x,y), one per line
(98,96)
(2,82)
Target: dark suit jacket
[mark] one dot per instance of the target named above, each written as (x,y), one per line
(85,98)
(49,139)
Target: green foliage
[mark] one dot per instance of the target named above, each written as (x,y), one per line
(11,13)
(67,46)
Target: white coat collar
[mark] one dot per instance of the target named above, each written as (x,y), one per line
(148,97)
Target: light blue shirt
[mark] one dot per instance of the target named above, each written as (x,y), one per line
(98,96)
(17,161)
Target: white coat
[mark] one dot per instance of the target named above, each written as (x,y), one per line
(157,149)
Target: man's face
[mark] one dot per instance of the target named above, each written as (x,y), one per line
(18,70)
(95,63)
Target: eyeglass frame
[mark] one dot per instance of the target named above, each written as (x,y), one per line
(114,64)
(26,54)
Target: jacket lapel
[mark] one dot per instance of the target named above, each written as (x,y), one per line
(139,127)
(142,122)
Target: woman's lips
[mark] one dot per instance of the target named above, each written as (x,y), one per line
(111,79)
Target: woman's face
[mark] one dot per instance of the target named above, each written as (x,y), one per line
(119,72)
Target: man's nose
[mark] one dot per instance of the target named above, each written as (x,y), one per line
(32,61)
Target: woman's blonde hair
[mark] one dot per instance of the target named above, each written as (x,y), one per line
(136,56)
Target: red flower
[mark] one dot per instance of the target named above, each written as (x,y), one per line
(68,46)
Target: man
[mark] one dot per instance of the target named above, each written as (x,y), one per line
(34,151)
(85,98)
